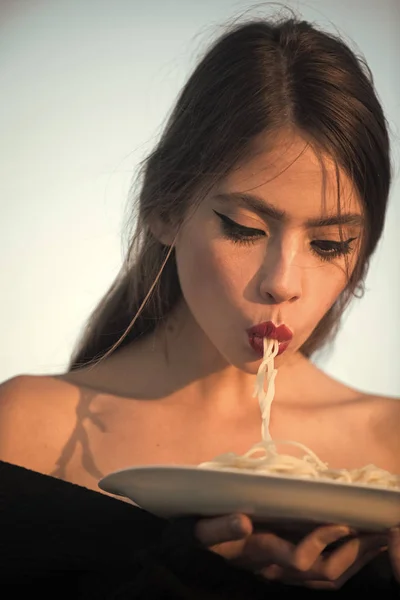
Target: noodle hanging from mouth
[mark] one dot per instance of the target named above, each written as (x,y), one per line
(263,457)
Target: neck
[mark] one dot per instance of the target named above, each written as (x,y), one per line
(178,361)
(194,364)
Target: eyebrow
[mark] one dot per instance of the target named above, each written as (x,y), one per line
(265,209)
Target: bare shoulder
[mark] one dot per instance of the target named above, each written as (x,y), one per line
(382,419)
(37,414)
(385,407)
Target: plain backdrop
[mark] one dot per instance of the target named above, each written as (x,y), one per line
(86,86)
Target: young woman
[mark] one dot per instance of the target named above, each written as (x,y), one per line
(260,207)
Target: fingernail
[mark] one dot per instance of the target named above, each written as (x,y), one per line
(272,572)
(344,532)
(236,525)
(353,532)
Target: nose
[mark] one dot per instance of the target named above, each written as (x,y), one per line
(280,278)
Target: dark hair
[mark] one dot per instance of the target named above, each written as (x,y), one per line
(259,77)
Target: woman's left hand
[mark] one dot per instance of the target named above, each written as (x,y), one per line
(394,551)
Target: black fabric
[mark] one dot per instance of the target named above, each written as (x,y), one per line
(64,541)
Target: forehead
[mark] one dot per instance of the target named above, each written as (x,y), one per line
(295,178)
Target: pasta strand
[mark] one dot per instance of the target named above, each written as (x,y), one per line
(263,457)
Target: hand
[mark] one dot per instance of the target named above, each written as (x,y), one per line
(394,551)
(306,563)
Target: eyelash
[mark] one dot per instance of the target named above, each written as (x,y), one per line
(238,233)
(325,250)
(334,250)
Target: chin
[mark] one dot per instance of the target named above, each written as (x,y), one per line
(247,365)
(249,362)
(250,368)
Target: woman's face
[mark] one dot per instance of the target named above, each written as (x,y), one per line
(266,245)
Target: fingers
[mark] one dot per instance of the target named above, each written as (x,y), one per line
(313,579)
(328,572)
(265,549)
(266,552)
(218,530)
(332,573)
(357,552)
(336,584)
(306,564)
(312,546)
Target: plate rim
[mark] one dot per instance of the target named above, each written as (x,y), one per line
(275,478)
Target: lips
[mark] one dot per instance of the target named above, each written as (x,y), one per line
(268,330)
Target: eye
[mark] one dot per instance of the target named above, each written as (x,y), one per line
(329,250)
(238,233)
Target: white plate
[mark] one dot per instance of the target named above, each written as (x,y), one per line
(182,491)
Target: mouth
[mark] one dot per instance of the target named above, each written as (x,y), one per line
(256,335)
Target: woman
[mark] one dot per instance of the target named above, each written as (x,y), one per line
(262,203)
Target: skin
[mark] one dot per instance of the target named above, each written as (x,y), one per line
(119,413)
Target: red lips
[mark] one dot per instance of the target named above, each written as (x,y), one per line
(268,330)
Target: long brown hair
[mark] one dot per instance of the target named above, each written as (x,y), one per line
(258,77)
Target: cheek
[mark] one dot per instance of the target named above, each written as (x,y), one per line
(208,272)
(327,287)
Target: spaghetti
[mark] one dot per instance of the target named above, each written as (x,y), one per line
(263,457)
